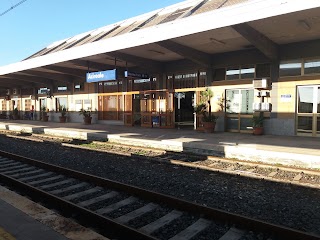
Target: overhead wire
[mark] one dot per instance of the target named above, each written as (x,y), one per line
(14,6)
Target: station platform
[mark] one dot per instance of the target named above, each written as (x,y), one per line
(23,219)
(284,150)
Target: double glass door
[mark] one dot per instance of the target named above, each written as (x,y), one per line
(239,110)
(308,110)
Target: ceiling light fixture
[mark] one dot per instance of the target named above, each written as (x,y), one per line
(305,24)
(217,41)
(156,51)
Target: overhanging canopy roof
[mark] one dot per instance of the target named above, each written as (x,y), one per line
(261,24)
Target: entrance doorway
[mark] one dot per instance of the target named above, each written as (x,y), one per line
(184,108)
(239,110)
(308,110)
(136,109)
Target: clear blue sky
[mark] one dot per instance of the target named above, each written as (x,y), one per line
(35,24)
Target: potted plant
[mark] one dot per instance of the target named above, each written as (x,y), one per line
(257,124)
(15,114)
(204,108)
(63,112)
(44,114)
(86,115)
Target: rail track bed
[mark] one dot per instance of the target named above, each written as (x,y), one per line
(281,201)
(127,212)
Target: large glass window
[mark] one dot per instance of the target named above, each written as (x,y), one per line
(242,72)
(305,99)
(233,74)
(311,66)
(61,102)
(292,68)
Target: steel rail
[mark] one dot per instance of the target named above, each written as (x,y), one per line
(182,205)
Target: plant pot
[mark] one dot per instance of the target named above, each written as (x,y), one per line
(87,120)
(208,127)
(257,130)
(45,118)
(62,119)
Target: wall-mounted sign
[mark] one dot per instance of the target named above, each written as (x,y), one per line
(141,80)
(135,75)
(285,98)
(101,76)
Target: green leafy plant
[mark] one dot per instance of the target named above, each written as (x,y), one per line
(85,113)
(15,111)
(63,110)
(44,110)
(257,121)
(204,107)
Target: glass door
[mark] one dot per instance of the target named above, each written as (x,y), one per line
(239,110)
(308,111)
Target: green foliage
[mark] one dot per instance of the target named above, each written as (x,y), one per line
(257,121)
(63,110)
(204,107)
(85,113)
(15,111)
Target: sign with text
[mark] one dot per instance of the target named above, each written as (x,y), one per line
(135,75)
(102,76)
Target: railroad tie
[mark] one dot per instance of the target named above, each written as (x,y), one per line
(69,188)
(36,171)
(98,199)
(116,205)
(27,168)
(192,230)
(165,220)
(46,174)
(136,213)
(12,167)
(233,234)
(46,180)
(57,183)
(82,193)
(5,161)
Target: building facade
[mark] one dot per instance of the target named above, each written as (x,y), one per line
(257,57)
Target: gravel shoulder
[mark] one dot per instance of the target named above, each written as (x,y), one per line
(286,204)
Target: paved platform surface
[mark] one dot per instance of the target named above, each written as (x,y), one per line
(23,219)
(14,224)
(286,150)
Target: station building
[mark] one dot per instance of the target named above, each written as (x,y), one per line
(150,70)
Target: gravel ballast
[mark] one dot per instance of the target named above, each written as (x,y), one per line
(286,204)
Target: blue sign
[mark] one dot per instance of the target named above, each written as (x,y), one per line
(102,76)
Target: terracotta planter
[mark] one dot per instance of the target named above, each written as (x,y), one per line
(257,130)
(87,120)
(45,118)
(62,119)
(208,127)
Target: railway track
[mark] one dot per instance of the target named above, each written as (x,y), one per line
(281,173)
(126,212)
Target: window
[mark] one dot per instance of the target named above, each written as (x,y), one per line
(312,66)
(79,87)
(62,88)
(233,74)
(27,104)
(292,68)
(242,72)
(61,102)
